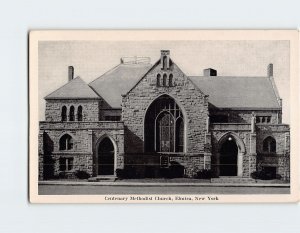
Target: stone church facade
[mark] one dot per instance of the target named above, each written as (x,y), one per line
(147,119)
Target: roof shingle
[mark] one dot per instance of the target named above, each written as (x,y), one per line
(238,92)
(75,89)
(118,81)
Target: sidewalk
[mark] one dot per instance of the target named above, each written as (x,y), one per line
(165,182)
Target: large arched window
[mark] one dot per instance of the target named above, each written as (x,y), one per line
(64,113)
(71,114)
(66,142)
(79,113)
(164,126)
(269,145)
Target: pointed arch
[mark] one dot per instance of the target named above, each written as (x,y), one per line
(160,121)
(112,161)
(79,113)
(71,113)
(239,142)
(158,80)
(64,113)
(231,150)
(170,80)
(164,81)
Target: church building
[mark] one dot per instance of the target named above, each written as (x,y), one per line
(142,120)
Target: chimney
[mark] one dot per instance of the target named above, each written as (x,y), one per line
(165,59)
(71,73)
(270,70)
(209,72)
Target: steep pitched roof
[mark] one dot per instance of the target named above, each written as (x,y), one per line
(118,81)
(75,89)
(238,92)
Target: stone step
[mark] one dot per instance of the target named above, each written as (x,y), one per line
(232,179)
(102,178)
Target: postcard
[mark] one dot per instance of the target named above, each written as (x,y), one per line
(163,116)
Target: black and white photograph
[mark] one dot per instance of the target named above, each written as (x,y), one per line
(150,116)
(164,119)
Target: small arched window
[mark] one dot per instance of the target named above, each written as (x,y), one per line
(66,142)
(79,113)
(64,113)
(269,145)
(71,114)
(165,80)
(158,80)
(170,80)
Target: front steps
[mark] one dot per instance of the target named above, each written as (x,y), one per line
(107,178)
(232,180)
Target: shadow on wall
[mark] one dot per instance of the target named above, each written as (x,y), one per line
(48,161)
(132,142)
(221,116)
(140,171)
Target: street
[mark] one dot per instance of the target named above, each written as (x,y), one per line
(92,190)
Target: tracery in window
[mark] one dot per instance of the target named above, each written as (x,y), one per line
(164,126)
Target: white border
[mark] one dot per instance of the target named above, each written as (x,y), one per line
(114,35)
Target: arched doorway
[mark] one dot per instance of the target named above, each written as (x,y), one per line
(106,157)
(228,160)
(164,126)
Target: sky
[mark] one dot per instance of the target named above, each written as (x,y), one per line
(230,58)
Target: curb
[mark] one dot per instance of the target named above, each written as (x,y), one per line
(162,184)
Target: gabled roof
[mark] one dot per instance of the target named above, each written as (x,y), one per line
(75,89)
(117,81)
(238,92)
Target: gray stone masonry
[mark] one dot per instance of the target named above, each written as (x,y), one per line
(244,116)
(281,159)
(192,102)
(90,109)
(86,137)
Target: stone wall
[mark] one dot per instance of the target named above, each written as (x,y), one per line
(90,109)
(244,116)
(246,142)
(192,102)
(280,159)
(86,136)
(103,113)
(254,158)
(189,163)
(117,138)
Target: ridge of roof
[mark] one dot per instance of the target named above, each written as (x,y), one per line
(117,81)
(105,73)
